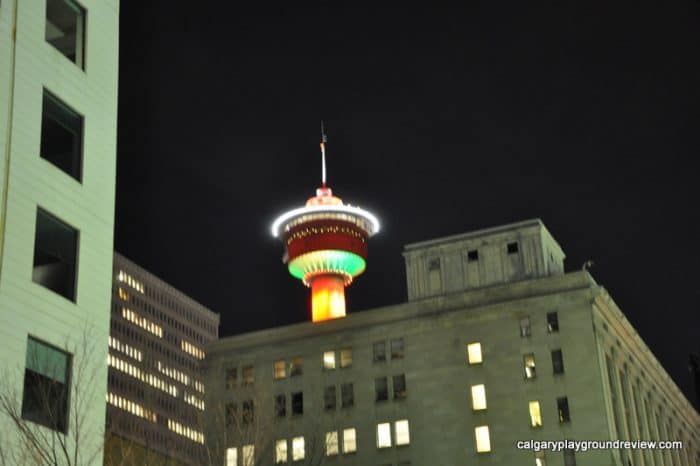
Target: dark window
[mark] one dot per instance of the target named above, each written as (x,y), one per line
(513,248)
(399,382)
(55,254)
(281,405)
(298,403)
(61,136)
(347,395)
(248,373)
(473,255)
(525,327)
(46,385)
(231,378)
(563,409)
(329,397)
(247,411)
(296,367)
(231,413)
(552,322)
(569,458)
(381,390)
(379,351)
(434,264)
(65,29)
(397,348)
(557,362)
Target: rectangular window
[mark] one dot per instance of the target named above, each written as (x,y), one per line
(552,322)
(384,435)
(540,459)
(379,349)
(381,390)
(248,373)
(399,383)
(232,457)
(529,364)
(298,449)
(557,362)
(46,385)
(569,458)
(61,136)
(483,439)
(65,29)
(329,398)
(296,367)
(397,348)
(329,360)
(473,255)
(345,357)
(535,414)
(478,397)
(248,452)
(349,440)
(474,353)
(332,443)
(247,412)
(279,369)
(512,248)
(281,405)
(401,433)
(231,378)
(525,327)
(563,409)
(347,395)
(434,264)
(231,414)
(55,255)
(281,451)
(298,403)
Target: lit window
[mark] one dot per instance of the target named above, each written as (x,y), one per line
(347,395)
(65,29)
(232,457)
(483,439)
(535,414)
(248,452)
(55,255)
(298,448)
(349,440)
(61,136)
(329,360)
(557,362)
(281,451)
(478,397)
(529,365)
(381,390)
(540,459)
(525,327)
(399,382)
(231,377)
(248,373)
(297,403)
(281,405)
(329,398)
(346,357)
(331,443)
(552,322)
(384,435)
(474,353)
(379,351)
(296,367)
(401,432)
(45,394)
(563,409)
(397,348)
(569,458)
(279,369)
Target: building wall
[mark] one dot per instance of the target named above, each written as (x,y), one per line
(27,65)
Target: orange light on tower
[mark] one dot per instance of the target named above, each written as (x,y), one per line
(326,245)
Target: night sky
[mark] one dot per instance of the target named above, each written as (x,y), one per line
(439,120)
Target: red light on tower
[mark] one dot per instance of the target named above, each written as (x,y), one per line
(326,245)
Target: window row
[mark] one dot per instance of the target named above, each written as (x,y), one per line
(381,388)
(396,348)
(552,324)
(347,396)
(401,434)
(475,356)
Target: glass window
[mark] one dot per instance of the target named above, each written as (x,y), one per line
(55,255)
(61,136)
(65,29)
(46,385)
(345,357)
(399,383)
(381,390)
(557,362)
(232,457)
(384,435)
(552,322)
(569,458)
(379,348)
(512,248)
(529,364)
(231,414)
(349,440)
(248,375)
(397,348)
(525,327)
(473,255)
(535,414)
(347,395)
(563,409)
(297,403)
(332,443)
(298,450)
(478,397)
(281,405)
(474,353)
(248,452)
(483,439)
(329,360)
(329,398)
(540,459)
(296,367)
(281,451)
(247,411)
(231,378)
(401,432)
(279,369)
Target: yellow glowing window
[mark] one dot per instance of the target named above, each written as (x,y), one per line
(298,448)
(349,440)
(478,397)
(474,353)
(540,459)
(329,360)
(535,414)
(232,457)
(401,432)
(383,435)
(279,369)
(529,364)
(281,451)
(346,357)
(248,452)
(483,439)
(331,443)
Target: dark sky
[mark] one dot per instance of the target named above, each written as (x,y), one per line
(440,120)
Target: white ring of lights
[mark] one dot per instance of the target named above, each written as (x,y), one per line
(346,209)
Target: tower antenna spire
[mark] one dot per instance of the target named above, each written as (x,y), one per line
(324,139)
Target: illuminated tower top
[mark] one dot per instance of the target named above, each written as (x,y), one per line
(326,245)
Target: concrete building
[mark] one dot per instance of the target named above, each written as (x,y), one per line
(155,390)
(58,121)
(495,345)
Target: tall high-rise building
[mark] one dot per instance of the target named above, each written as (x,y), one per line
(496,345)
(58,122)
(156,390)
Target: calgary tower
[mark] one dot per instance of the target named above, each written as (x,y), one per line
(325,245)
